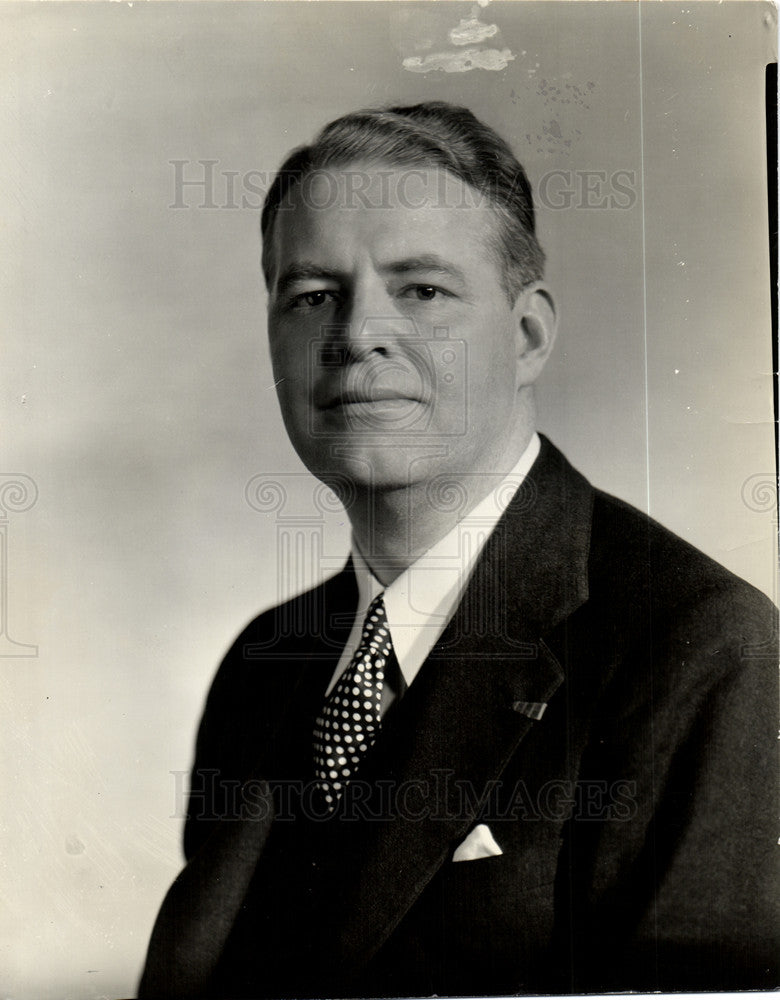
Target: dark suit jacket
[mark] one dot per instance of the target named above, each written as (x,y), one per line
(636,811)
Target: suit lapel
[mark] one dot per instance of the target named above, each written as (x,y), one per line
(289,752)
(484,685)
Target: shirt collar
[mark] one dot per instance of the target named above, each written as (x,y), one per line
(420,602)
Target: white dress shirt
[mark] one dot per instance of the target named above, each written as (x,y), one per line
(421,601)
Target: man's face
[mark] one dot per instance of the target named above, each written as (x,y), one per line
(394,344)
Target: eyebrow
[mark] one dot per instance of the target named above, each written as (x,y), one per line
(426,262)
(305,271)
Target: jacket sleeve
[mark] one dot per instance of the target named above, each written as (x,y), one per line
(225,834)
(683,893)
(213,764)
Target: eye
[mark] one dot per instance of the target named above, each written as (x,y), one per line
(313,299)
(424,293)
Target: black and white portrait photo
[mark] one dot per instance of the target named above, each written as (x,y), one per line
(388,522)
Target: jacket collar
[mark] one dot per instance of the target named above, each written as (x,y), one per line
(532,573)
(541,545)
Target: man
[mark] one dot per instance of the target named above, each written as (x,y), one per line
(549,771)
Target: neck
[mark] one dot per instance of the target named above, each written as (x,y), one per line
(394,527)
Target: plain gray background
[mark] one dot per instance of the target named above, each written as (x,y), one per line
(138,394)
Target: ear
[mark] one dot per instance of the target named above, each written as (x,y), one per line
(536,324)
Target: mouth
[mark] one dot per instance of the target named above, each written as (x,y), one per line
(377,399)
(372,396)
(371,408)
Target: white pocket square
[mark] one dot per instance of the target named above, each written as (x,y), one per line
(480,843)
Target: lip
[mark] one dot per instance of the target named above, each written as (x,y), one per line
(379,397)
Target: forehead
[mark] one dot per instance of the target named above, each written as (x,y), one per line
(375,210)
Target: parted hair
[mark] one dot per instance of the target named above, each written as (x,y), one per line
(433,134)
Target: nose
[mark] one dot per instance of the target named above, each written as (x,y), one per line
(371,322)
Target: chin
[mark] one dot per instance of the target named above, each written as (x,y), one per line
(365,468)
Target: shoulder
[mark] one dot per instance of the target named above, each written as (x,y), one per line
(684,638)
(661,621)
(641,577)
(639,560)
(272,649)
(255,684)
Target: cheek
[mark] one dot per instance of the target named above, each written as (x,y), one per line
(492,368)
(289,358)
(275,349)
(296,416)
(289,366)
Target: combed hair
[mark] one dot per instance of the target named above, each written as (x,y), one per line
(432,134)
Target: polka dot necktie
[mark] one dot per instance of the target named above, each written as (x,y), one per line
(350,720)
